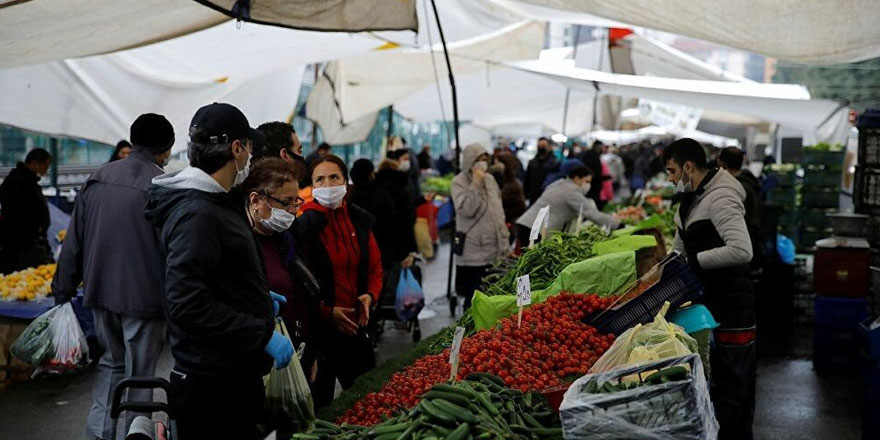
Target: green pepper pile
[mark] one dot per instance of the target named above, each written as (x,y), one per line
(478,407)
(545,260)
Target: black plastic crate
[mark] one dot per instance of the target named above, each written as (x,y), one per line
(869,147)
(782,196)
(822,177)
(677,284)
(819,157)
(836,351)
(866,193)
(820,198)
(816,218)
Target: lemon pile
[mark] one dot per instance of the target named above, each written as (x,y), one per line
(27,285)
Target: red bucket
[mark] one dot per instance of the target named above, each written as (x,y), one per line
(555,394)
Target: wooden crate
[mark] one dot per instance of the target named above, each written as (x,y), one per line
(649,257)
(10,367)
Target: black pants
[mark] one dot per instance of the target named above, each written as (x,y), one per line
(732,387)
(209,407)
(343,358)
(467,280)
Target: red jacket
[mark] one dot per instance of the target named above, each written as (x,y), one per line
(342,233)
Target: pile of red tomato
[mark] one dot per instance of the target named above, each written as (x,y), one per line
(552,346)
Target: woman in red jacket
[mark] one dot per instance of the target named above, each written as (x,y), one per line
(346,261)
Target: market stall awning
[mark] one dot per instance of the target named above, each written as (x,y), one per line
(814,32)
(97,98)
(352,90)
(36,31)
(820,120)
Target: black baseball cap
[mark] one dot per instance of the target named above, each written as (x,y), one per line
(221,122)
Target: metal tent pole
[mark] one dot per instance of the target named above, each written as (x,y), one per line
(453,301)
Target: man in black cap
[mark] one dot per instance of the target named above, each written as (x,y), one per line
(111,248)
(217,300)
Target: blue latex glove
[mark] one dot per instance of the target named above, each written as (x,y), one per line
(281,349)
(276,299)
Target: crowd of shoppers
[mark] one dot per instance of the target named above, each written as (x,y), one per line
(251,233)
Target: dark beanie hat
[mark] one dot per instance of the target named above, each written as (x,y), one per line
(152,132)
(360,171)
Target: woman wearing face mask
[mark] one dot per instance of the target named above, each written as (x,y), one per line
(479,217)
(271,203)
(347,264)
(566,198)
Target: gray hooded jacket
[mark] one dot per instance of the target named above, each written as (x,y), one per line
(566,200)
(721,203)
(479,213)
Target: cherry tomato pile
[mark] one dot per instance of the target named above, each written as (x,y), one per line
(551,347)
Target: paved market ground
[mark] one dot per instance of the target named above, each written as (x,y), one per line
(793,402)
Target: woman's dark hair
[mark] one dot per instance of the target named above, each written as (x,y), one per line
(332,159)
(685,150)
(579,172)
(119,146)
(278,136)
(267,175)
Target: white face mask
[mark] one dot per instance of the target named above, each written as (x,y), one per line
(585,188)
(242,174)
(329,196)
(685,184)
(481,164)
(279,221)
(403,166)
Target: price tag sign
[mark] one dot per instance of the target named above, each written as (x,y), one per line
(453,351)
(540,220)
(523,291)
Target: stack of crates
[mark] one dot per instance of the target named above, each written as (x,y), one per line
(867,183)
(820,195)
(836,339)
(871,378)
(783,195)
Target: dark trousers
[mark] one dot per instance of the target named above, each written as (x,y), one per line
(209,407)
(345,359)
(732,387)
(467,280)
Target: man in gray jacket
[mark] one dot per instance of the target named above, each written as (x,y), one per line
(112,249)
(480,216)
(711,231)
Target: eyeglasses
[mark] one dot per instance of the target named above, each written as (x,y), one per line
(286,203)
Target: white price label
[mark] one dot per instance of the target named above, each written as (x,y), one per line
(456,345)
(543,215)
(523,291)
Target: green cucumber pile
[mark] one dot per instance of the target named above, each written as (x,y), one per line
(478,407)
(670,374)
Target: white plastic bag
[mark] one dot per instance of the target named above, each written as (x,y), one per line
(54,342)
(289,406)
(655,340)
(674,410)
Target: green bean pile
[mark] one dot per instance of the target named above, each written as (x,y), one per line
(545,260)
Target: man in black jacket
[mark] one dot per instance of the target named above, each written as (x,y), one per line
(111,248)
(711,231)
(731,159)
(24,215)
(543,164)
(217,301)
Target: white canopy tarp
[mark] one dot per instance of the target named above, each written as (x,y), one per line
(790,105)
(36,31)
(259,70)
(352,90)
(814,32)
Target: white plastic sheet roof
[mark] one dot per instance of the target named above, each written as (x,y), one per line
(259,70)
(815,31)
(786,104)
(36,31)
